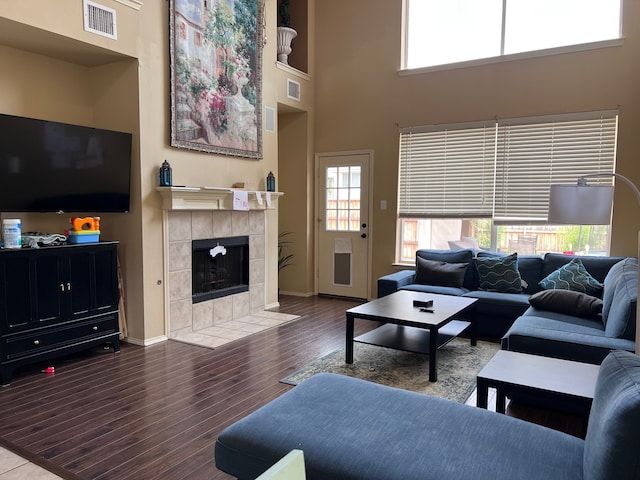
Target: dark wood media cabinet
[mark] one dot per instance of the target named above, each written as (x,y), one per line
(55,301)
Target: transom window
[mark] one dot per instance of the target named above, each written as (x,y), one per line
(441,32)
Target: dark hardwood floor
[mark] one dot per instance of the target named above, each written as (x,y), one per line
(155,412)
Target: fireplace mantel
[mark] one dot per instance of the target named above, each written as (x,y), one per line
(212,198)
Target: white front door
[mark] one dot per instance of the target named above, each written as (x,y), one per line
(343,224)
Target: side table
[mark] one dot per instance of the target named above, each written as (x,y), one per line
(521,373)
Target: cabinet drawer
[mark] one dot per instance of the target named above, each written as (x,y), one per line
(60,336)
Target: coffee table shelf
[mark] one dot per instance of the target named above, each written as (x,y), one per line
(408,328)
(411,339)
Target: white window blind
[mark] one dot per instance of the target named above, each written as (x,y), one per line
(532,154)
(501,169)
(447,173)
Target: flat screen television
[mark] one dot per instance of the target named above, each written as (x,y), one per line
(50,166)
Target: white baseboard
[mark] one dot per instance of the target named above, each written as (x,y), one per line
(146,343)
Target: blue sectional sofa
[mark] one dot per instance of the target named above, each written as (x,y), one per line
(499,306)
(562,331)
(350,429)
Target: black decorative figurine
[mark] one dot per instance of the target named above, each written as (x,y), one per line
(165,174)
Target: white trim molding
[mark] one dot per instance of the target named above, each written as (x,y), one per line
(135,4)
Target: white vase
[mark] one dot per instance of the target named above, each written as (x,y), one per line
(285,35)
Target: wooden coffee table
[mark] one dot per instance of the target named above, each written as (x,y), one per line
(519,373)
(409,329)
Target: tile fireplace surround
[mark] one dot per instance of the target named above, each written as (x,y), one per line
(197,214)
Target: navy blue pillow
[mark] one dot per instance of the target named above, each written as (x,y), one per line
(572,276)
(499,274)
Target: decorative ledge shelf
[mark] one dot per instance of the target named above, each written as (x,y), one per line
(214,198)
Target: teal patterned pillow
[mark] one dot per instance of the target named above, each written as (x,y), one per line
(572,276)
(499,274)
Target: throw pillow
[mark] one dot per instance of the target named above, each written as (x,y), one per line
(464,242)
(472,242)
(572,276)
(457,244)
(499,274)
(567,301)
(444,274)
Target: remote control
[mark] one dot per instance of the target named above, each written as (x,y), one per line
(421,303)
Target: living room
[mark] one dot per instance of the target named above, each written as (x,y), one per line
(358,107)
(353,99)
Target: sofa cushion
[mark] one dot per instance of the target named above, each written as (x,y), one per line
(558,335)
(620,298)
(451,256)
(436,272)
(350,429)
(598,267)
(572,276)
(440,290)
(613,434)
(567,301)
(529,266)
(500,301)
(499,274)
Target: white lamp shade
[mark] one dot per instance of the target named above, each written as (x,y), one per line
(580,204)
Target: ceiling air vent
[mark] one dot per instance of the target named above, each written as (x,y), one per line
(293,89)
(100,19)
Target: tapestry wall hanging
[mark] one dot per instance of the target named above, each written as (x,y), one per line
(216,76)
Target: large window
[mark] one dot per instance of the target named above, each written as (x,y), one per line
(490,181)
(449,31)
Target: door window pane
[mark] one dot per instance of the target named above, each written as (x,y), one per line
(343,199)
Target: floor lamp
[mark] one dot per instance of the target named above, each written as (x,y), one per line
(582,204)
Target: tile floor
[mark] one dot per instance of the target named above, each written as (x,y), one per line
(14,467)
(231,330)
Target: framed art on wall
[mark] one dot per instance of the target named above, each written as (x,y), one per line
(216,76)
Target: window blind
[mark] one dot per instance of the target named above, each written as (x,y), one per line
(532,154)
(447,172)
(501,169)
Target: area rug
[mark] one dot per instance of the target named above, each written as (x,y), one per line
(458,366)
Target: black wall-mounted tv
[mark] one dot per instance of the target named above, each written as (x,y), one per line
(50,166)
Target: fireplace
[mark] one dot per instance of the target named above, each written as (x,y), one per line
(220,267)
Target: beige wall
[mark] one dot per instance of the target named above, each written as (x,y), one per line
(123,84)
(352,99)
(361,99)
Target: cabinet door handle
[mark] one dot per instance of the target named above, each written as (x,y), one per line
(68,286)
(62,287)
(95,329)
(36,342)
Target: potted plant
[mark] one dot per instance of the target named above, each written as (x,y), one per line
(284,259)
(285,32)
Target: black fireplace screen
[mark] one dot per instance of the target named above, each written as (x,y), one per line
(220,267)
